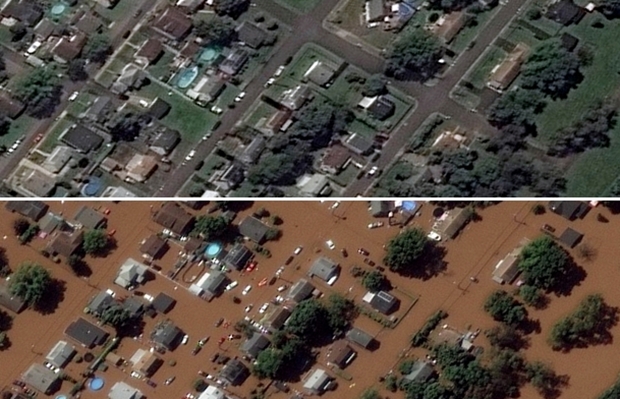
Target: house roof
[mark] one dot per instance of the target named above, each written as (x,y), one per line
(131,273)
(420,372)
(86,333)
(159,108)
(122,390)
(453,222)
(294,98)
(277,121)
(167,335)
(381,208)
(167,140)
(9,301)
(154,246)
(568,41)
(238,256)
(509,69)
(163,303)
(251,34)
(382,107)
(140,167)
(335,157)
(255,345)
(570,210)
(100,104)
(194,244)
(507,269)
(451,26)
(41,378)
(565,12)
(358,143)
(82,139)
(175,218)
(145,362)
(570,237)
(317,380)
(359,337)
(88,24)
(66,244)
(57,160)
(252,151)
(68,49)
(51,222)
(277,317)
(375,10)
(10,106)
(320,73)
(235,372)
(61,354)
(133,305)
(190,49)
(383,302)
(323,268)
(26,11)
(174,24)
(37,183)
(90,218)
(301,290)
(151,49)
(34,210)
(235,59)
(340,354)
(209,284)
(100,302)
(254,229)
(45,28)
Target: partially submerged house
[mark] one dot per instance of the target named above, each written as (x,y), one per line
(381,301)
(570,210)
(90,218)
(420,372)
(86,333)
(324,268)
(131,273)
(235,372)
(570,237)
(145,363)
(122,390)
(42,379)
(209,285)
(153,247)
(507,269)
(360,338)
(255,345)
(451,222)
(340,354)
(300,291)
(166,335)
(65,244)
(253,229)
(61,354)
(238,257)
(163,303)
(317,382)
(9,301)
(171,216)
(33,210)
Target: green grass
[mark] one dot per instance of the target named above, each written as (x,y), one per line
(51,137)
(5,35)
(363,129)
(306,57)
(212,163)
(161,69)
(518,34)
(263,110)
(139,37)
(189,119)
(120,11)
(106,78)
(227,96)
(81,103)
(303,6)
(19,127)
(480,73)
(346,176)
(601,78)
(469,33)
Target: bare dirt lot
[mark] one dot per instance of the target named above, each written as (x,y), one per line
(474,253)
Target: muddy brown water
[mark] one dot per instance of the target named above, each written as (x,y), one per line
(474,252)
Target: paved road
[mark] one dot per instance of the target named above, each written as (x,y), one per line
(309,28)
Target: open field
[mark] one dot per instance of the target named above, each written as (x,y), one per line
(302,6)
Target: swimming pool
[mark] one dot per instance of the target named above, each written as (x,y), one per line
(96,383)
(58,9)
(213,249)
(208,54)
(187,76)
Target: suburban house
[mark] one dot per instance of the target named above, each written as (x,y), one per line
(212,392)
(97,112)
(206,90)
(65,244)
(69,48)
(448,26)
(209,285)
(173,24)
(321,73)
(163,303)
(42,379)
(86,22)
(134,306)
(340,354)
(52,222)
(251,34)
(381,209)
(253,229)
(420,372)
(357,143)
(149,52)
(381,301)
(234,61)
(301,290)
(81,138)
(234,372)
(296,97)
(317,382)
(9,301)
(89,218)
(107,3)
(279,121)
(153,247)
(131,273)
(12,108)
(335,159)
(454,138)
(276,319)
(158,108)
(99,303)
(171,216)
(255,345)
(360,338)
(61,354)
(252,151)
(379,107)
(238,257)
(165,141)
(507,71)
(569,210)
(374,12)
(25,11)
(570,237)
(122,390)
(451,222)
(139,168)
(507,269)
(33,210)
(166,335)
(564,12)
(86,333)
(568,41)
(315,185)
(145,363)
(44,29)
(324,268)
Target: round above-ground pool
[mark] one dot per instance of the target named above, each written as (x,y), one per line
(92,187)
(58,9)
(187,76)
(61,397)
(208,54)
(213,249)
(96,383)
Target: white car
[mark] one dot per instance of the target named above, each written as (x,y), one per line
(330,244)
(270,82)
(282,288)
(33,47)
(185,339)
(246,290)
(263,308)
(74,95)
(434,236)
(248,308)
(335,205)
(279,70)
(373,171)
(190,155)
(148,297)
(375,225)
(206,136)
(216,110)
(332,280)
(297,250)
(231,285)
(240,97)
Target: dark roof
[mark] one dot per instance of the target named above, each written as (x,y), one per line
(384,302)
(324,268)
(100,303)
(167,335)
(234,61)
(565,12)
(151,50)
(335,157)
(174,24)
(570,210)
(134,306)
(100,105)
(41,378)
(167,140)
(569,42)
(9,301)
(358,143)
(251,34)
(420,372)
(82,139)
(194,244)
(301,290)
(570,237)
(159,108)
(66,244)
(277,318)
(255,345)
(90,218)
(382,108)
(34,210)
(86,333)
(340,354)
(45,28)
(154,246)
(163,303)
(235,372)
(360,337)
(175,218)
(238,256)
(25,11)
(11,107)
(381,208)
(254,229)
(69,49)
(88,24)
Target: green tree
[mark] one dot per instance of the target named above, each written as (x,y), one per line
(18,31)
(30,282)
(374,281)
(40,90)
(232,8)
(97,48)
(3,342)
(5,123)
(96,242)
(29,234)
(543,263)
(517,107)
(375,86)
(116,316)
(544,378)
(532,296)
(210,227)
(505,337)
(277,169)
(273,234)
(404,250)
(370,393)
(309,321)
(20,225)
(340,312)
(551,69)
(609,8)
(268,363)
(416,53)
(503,307)
(219,31)
(76,70)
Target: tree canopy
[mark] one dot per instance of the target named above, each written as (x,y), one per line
(609,8)
(309,321)
(76,71)
(30,282)
(405,249)
(340,312)
(116,316)
(543,263)
(97,48)
(96,242)
(375,85)
(232,8)
(219,31)
(414,54)
(551,69)
(210,227)
(40,90)
(503,307)
(517,107)
(373,281)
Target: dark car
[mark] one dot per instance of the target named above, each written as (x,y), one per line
(151,383)
(344,252)
(215,357)
(362,251)
(219,322)
(196,349)
(372,264)
(19,383)
(289,260)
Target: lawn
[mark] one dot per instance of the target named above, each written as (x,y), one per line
(259,111)
(469,33)
(189,119)
(518,34)
(306,57)
(480,73)
(19,127)
(302,6)
(212,163)
(51,137)
(345,177)
(119,11)
(161,69)
(227,97)
(81,103)
(361,128)
(600,79)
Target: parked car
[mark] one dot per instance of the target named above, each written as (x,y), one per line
(219,322)
(297,250)
(169,380)
(73,96)
(434,236)
(246,290)
(344,253)
(231,286)
(279,70)
(362,251)
(270,82)
(185,339)
(151,383)
(330,244)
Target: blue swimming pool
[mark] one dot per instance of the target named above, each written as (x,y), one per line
(187,76)
(213,249)
(208,54)
(96,383)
